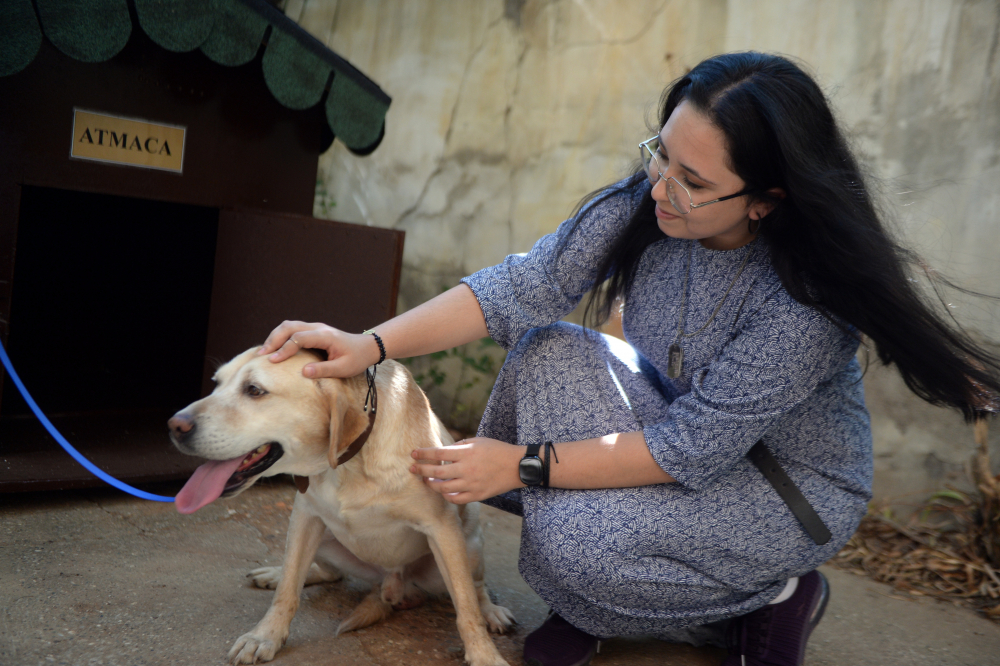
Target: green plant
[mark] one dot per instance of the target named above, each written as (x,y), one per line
(324,203)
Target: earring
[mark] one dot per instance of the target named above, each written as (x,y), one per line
(750,222)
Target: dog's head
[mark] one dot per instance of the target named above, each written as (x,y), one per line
(263,419)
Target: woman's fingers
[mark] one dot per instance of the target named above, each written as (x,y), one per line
(344,357)
(460,498)
(469,471)
(279,336)
(446,479)
(296,341)
(453,490)
(291,336)
(286,341)
(454,497)
(347,354)
(437,471)
(452,453)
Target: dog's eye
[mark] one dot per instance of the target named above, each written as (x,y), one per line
(254,391)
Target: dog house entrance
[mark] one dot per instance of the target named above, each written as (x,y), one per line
(109,320)
(121,309)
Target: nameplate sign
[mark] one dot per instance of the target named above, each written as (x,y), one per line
(138,143)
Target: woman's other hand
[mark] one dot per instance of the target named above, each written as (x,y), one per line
(348,354)
(478,468)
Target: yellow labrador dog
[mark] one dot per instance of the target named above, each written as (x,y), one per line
(368,517)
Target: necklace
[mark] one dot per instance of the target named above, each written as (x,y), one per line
(675,353)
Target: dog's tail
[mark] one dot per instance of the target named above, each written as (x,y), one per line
(371,610)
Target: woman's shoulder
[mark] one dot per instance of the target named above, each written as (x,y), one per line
(620,198)
(600,217)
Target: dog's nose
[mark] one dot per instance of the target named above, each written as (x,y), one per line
(180,425)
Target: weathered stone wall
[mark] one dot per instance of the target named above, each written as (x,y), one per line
(505,113)
(917,83)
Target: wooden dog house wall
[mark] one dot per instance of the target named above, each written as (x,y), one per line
(121,286)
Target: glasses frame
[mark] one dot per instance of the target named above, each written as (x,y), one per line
(671,195)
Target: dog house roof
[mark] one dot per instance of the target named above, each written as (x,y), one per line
(298,69)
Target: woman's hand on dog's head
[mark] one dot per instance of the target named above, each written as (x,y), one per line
(478,468)
(348,354)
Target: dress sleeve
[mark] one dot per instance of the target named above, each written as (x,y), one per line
(776,361)
(543,285)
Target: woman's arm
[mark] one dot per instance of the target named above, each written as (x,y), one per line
(481,467)
(451,319)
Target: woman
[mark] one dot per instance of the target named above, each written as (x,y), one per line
(749,256)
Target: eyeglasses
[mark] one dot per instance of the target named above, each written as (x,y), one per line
(680,197)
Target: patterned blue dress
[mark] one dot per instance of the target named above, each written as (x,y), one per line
(719,542)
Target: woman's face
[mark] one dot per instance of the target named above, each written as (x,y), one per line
(693,151)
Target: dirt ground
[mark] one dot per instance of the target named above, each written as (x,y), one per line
(97,577)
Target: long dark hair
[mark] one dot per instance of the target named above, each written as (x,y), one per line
(828,243)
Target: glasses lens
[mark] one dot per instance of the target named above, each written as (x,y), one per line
(679,198)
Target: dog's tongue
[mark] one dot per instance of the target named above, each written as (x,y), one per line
(205,485)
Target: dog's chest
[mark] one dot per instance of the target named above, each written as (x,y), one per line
(371,531)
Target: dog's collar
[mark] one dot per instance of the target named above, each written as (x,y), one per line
(356,445)
(302,482)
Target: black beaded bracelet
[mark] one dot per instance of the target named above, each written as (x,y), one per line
(549,448)
(378,340)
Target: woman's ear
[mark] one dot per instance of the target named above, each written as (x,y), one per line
(761,209)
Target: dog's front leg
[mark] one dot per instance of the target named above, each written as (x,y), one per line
(448,545)
(305,531)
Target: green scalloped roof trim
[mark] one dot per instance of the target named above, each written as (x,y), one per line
(354,115)
(294,75)
(236,35)
(92,31)
(21,36)
(176,25)
(296,66)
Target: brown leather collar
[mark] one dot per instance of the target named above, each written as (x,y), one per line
(302,482)
(356,445)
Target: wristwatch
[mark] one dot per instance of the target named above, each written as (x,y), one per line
(531,469)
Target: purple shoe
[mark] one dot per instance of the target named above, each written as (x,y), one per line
(559,643)
(776,635)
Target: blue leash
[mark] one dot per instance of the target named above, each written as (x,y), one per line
(93,469)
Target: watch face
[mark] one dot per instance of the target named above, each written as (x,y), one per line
(530,471)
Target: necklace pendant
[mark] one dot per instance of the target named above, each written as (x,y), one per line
(675,361)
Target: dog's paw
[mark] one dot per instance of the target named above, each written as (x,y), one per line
(499,661)
(498,619)
(266,578)
(251,648)
(488,657)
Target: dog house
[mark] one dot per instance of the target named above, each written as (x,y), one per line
(158,166)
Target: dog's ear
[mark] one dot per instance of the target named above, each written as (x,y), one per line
(347,422)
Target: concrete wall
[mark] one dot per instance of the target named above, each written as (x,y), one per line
(505,113)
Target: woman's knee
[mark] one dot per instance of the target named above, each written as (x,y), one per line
(561,340)
(562,530)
